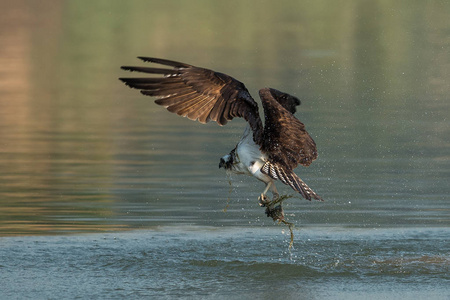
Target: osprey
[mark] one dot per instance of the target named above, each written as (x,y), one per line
(270,152)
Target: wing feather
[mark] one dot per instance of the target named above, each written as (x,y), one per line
(150,70)
(198,93)
(165,62)
(150,91)
(286,142)
(185,101)
(192,106)
(204,111)
(285,138)
(289,102)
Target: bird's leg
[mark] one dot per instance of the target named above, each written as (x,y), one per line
(275,195)
(263,199)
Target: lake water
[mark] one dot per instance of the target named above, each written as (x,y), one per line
(104,194)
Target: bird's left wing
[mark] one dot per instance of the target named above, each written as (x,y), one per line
(197,93)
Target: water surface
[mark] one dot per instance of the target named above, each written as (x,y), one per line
(105,194)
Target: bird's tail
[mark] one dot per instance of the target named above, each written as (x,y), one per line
(304,189)
(291,179)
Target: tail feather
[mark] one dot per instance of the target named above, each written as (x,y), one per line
(291,179)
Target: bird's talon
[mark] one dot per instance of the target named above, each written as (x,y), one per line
(263,200)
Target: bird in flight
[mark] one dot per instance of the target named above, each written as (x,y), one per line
(268,152)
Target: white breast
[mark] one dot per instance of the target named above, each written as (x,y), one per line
(250,157)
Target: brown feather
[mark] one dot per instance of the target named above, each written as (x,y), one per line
(198,109)
(150,70)
(198,93)
(162,92)
(204,112)
(189,108)
(164,62)
(285,138)
(289,102)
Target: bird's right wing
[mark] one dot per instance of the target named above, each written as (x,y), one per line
(286,142)
(197,93)
(289,102)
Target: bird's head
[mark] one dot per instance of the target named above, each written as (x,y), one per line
(226,162)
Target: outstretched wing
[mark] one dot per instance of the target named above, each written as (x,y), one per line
(197,93)
(286,142)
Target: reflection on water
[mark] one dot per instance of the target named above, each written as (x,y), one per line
(79,152)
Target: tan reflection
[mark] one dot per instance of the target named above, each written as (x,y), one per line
(43,168)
